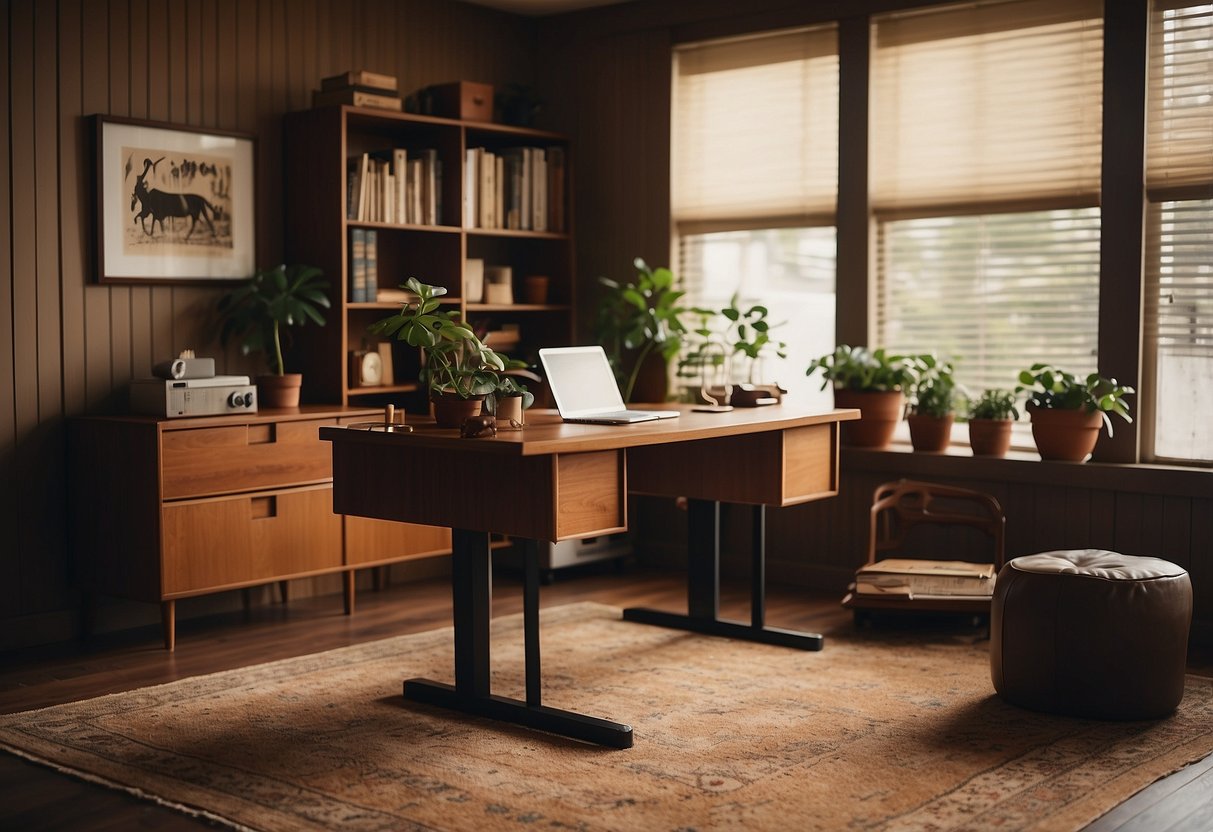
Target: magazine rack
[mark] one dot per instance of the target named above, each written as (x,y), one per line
(900,507)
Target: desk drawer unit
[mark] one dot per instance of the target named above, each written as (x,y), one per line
(164,509)
(219,460)
(226,542)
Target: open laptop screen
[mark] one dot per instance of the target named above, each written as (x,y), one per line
(581,381)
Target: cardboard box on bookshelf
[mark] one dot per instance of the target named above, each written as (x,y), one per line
(466,100)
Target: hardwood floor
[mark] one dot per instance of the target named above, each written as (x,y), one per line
(37,798)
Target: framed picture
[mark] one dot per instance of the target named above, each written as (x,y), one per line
(174,204)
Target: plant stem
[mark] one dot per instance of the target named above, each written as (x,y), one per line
(644,353)
(278,349)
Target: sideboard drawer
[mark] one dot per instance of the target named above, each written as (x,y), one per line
(222,460)
(233,541)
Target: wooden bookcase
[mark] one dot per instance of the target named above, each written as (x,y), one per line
(319,146)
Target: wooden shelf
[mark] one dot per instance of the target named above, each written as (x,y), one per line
(320,145)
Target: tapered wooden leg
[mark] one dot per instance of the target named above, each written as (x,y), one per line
(168,621)
(347,579)
(282,590)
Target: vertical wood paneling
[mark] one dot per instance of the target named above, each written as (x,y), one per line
(120,104)
(230,64)
(1177,531)
(74,210)
(1201,559)
(142,330)
(10,591)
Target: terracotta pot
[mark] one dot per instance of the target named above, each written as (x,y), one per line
(279,391)
(451,409)
(880,413)
(990,437)
(930,433)
(509,408)
(1067,435)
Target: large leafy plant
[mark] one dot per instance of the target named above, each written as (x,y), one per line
(638,319)
(863,370)
(259,310)
(456,361)
(1050,388)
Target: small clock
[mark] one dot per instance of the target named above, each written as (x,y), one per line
(366,368)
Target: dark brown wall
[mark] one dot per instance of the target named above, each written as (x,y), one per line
(224,64)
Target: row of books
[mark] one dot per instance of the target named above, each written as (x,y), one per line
(396,186)
(518,188)
(909,579)
(364,265)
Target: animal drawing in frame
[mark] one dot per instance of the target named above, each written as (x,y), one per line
(174,204)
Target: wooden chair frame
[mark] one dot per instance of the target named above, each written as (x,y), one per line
(898,507)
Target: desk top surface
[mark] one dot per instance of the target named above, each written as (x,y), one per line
(545,433)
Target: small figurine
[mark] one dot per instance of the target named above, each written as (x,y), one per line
(478,427)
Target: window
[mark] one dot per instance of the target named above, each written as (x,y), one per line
(754,144)
(985,166)
(1178,333)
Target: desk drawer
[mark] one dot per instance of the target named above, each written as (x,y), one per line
(230,541)
(223,460)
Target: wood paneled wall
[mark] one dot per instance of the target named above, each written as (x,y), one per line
(224,64)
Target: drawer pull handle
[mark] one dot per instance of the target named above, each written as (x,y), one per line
(263,507)
(261,434)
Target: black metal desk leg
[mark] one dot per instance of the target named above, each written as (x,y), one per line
(758,567)
(471,586)
(703,586)
(472,602)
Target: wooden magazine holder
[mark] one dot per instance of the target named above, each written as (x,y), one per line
(900,507)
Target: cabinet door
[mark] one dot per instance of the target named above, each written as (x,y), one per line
(369,541)
(222,460)
(248,539)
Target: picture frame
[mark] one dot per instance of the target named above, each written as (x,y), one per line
(175,204)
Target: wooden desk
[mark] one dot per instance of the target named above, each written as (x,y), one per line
(555,481)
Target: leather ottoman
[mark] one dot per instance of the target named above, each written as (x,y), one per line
(1091,633)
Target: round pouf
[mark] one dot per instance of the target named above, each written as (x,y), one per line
(1091,633)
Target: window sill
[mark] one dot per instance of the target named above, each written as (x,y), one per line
(900,460)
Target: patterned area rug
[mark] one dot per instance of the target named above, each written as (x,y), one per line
(896,731)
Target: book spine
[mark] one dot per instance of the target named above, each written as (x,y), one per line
(370,290)
(400,167)
(931,584)
(357,265)
(360,78)
(469,188)
(539,206)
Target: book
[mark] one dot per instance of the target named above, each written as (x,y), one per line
(385,359)
(400,167)
(359,78)
(370,291)
(358,265)
(539,193)
(355,98)
(470,206)
(912,578)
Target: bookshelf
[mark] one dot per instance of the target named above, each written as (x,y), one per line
(323,152)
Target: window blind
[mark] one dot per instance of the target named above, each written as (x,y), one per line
(994,293)
(987,104)
(1179,326)
(1180,95)
(754,131)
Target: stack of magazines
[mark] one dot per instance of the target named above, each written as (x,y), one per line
(925,579)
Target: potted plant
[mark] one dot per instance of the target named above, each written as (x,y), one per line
(509,398)
(990,419)
(735,350)
(1067,412)
(459,369)
(872,381)
(638,320)
(931,405)
(259,312)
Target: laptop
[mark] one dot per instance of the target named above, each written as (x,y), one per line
(584,388)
